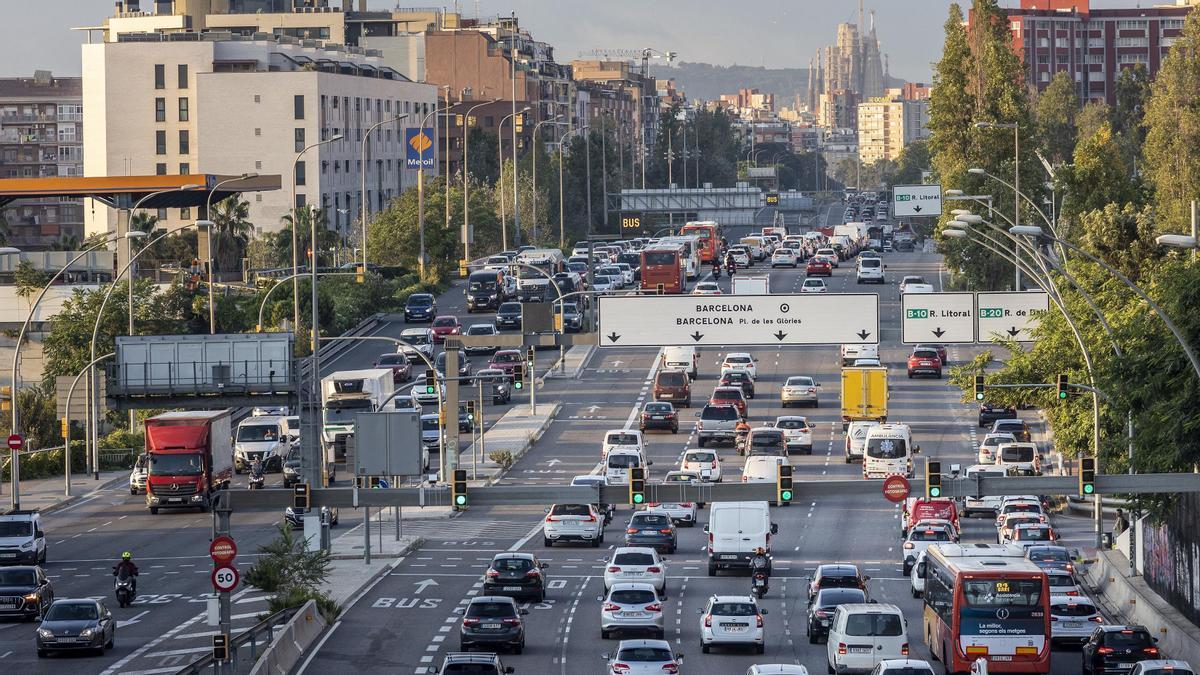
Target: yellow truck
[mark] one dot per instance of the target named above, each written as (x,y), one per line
(864,394)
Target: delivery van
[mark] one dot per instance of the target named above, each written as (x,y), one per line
(735,530)
(681,358)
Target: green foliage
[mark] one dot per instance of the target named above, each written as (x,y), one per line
(287,569)
(1054,112)
(29,280)
(503,458)
(232,230)
(1171,163)
(39,421)
(1098,177)
(914,159)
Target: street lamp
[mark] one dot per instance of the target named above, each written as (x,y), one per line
(556,118)
(466,230)
(212,316)
(364,204)
(295,237)
(500,156)
(421,195)
(1177,241)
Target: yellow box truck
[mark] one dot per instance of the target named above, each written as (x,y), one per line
(864,394)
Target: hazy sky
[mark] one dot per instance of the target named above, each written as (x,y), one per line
(772,33)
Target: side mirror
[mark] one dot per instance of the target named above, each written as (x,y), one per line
(763,611)
(774,528)
(510,669)
(543,565)
(547,509)
(679,657)
(606,656)
(866,578)
(523,612)
(705,530)
(699,611)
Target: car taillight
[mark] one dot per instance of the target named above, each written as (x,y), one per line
(1097,618)
(822,613)
(511,621)
(614,569)
(1104,650)
(842,648)
(654,570)
(590,519)
(655,607)
(666,531)
(744,479)
(908,544)
(611,607)
(686,505)
(470,622)
(671,668)
(710,542)
(620,668)
(708,620)
(1151,650)
(532,573)
(491,574)
(551,519)
(652,505)
(1053,619)
(632,530)
(904,649)
(760,620)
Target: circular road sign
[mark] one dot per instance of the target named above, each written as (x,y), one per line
(15,442)
(223,550)
(225,578)
(895,488)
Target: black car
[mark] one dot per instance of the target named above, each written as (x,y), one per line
(492,620)
(822,606)
(25,592)
(291,468)
(659,415)
(572,319)
(842,575)
(1117,648)
(1016,427)
(990,412)
(475,664)
(76,625)
(653,529)
(508,315)
(295,516)
(518,575)
(420,307)
(464,365)
(738,378)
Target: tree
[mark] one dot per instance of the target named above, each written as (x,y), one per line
(29,280)
(1090,118)
(1132,92)
(1097,177)
(305,219)
(394,235)
(1054,113)
(291,571)
(483,163)
(1172,164)
(232,230)
(913,162)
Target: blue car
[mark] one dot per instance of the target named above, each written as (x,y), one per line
(420,307)
(653,529)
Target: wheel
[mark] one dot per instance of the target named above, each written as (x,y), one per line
(154,510)
(915,593)
(674,430)
(829,668)
(133,491)
(42,558)
(604,634)
(519,648)
(547,543)
(705,648)
(814,404)
(712,569)
(784,404)
(671,549)
(813,639)
(111,641)
(596,542)
(760,649)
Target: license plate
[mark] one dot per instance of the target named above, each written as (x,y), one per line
(729,557)
(512,588)
(633,615)
(490,626)
(634,574)
(175,500)
(1072,624)
(860,650)
(1001,657)
(657,417)
(734,627)
(8,555)
(8,605)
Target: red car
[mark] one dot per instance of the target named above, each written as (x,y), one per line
(445,325)
(729,396)
(924,361)
(401,368)
(816,267)
(505,359)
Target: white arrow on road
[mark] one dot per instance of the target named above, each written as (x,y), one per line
(617,364)
(554,461)
(425,583)
(593,408)
(130,622)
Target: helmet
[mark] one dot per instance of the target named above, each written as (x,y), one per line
(126,556)
(760,550)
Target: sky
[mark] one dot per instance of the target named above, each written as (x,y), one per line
(770,33)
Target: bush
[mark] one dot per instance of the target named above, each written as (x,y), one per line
(293,574)
(296,597)
(504,458)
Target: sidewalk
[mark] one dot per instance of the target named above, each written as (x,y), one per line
(515,433)
(48,494)
(573,364)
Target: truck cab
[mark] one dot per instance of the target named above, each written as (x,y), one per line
(191,457)
(263,438)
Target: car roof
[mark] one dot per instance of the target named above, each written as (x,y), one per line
(1064,599)
(493,598)
(658,644)
(513,554)
(870,607)
(465,657)
(633,549)
(631,586)
(1114,628)
(1169,664)
(732,598)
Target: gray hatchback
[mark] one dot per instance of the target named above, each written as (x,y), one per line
(495,621)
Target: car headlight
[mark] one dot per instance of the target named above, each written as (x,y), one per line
(289,511)
(32,597)
(27,546)
(87,633)
(45,634)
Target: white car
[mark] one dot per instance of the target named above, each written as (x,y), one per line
(903,666)
(916,576)
(796,432)
(622,439)
(740,255)
(830,255)
(1063,582)
(813,285)
(856,439)
(799,389)
(1072,618)
(919,538)
(784,256)
(919,288)
(1162,667)
(987,447)
(137,476)
(762,469)
(604,284)
(733,620)
(740,360)
(706,463)
(626,271)
(680,513)
(573,522)
(1019,458)
(986,505)
(866,363)
(631,607)
(863,635)
(707,288)
(852,352)
(643,657)
(909,281)
(481,329)
(639,564)
(781,669)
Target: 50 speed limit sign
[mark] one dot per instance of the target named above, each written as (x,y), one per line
(225,578)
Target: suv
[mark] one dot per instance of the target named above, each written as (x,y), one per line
(475,664)
(842,575)
(990,412)
(717,423)
(1112,648)
(766,442)
(729,396)
(1016,427)
(674,386)
(508,315)
(738,378)
(25,592)
(516,574)
(573,522)
(420,307)
(22,540)
(492,620)
(924,361)
(732,620)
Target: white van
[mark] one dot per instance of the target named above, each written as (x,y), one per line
(888,450)
(851,353)
(756,245)
(264,438)
(870,270)
(734,530)
(622,439)
(862,635)
(681,358)
(618,463)
(1019,459)
(984,505)
(762,469)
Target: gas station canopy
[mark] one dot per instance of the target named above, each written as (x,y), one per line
(123,192)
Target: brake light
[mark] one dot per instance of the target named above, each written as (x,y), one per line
(1151,650)
(632,530)
(842,648)
(590,519)
(686,505)
(492,574)
(1097,618)
(822,613)
(512,621)
(551,519)
(666,531)
(470,622)
(1104,650)
(671,668)
(908,544)
(652,505)
(532,573)
(1053,618)
(655,569)
(620,668)
(904,649)
(614,569)
(760,620)
(654,607)
(611,607)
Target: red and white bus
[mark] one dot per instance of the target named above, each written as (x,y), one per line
(709,233)
(664,264)
(986,601)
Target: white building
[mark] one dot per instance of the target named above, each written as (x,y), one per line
(221,104)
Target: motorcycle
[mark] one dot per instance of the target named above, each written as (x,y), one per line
(758,584)
(257,481)
(124,589)
(740,442)
(716,272)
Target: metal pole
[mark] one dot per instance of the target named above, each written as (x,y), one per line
(67,436)
(516,203)
(604,168)
(421,221)
(445,199)
(1133,571)
(562,214)
(318,476)
(364,204)
(587,158)
(466,231)
(1016,197)
(478,445)
(221,527)
(500,179)
(295,237)
(1195,235)
(533,382)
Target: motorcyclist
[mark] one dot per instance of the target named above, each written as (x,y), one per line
(126,565)
(716,269)
(743,431)
(760,564)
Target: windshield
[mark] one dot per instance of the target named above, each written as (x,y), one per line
(571,510)
(18,578)
(649,521)
(420,300)
(632,597)
(1060,580)
(176,465)
(481,329)
(993,441)
(393,360)
(510,308)
(415,339)
(623,461)
(1049,554)
(483,286)
(929,535)
(707,457)
(840,596)
(870,262)
(72,611)
(734,609)
(343,412)
(730,360)
(430,424)
(658,258)
(445,322)
(622,439)
(672,378)
(887,448)
(659,408)
(1033,533)
(645,655)
(1016,454)
(506,357)
(799,382)
(258,433)
(1002,592)
(1127,639)
(874,625)
(791,424)
(719,412)
(16,528)
(761,439)
(491,610)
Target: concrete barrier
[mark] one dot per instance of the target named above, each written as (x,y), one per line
(292,642)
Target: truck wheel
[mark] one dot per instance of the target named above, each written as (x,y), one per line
(712,569)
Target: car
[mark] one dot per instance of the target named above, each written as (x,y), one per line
(987,447)
(762,469)
(481,330)
(904,244)
(908,281)
(572,522)
(741,256)
(444,326)
(420,307)
(25,592)
(920,509)
(924,361)
(916,577)
(636,563)
(673,385)
(508,315)
(659,415)
(776,669)
(707,288)
(22,538)
(1019,459)
(818,266)
(941,350)
(837,575)
(863,635)
(604,284)
(398,363)
(417,345)
(706,463)
(652,529)
(614,273)
(500,383)
(1009,523)
(76,625)
(856,439)
(138,474)
(1162,667)
(1051,558)
(622,439)
(729,396)
(1116,648)
(420,393)
(718,424)
(813,285)
(866,363)
(1024,506)
(492,620)
(784,257)
(829,255)
(457,663)
(1017,427)
(853,352)
(681,513)
(990,412)
(643,657)
(740,361)
(505,360)
(1062,582)
(738,378)
(1031,534)
(631,606)
(295,516)
(572,318)
(822,605)
(516,574)
(732,621)
(919,538)
(903,666)
(797,433)
(870,269)
(799,390)
(631,270)
(766,441)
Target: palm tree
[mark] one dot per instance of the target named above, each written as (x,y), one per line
(230,219)
(65,242)
(143,222)
(326,238)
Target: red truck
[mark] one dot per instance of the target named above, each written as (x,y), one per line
(190,456)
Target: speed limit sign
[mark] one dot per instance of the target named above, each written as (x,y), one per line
(225,578)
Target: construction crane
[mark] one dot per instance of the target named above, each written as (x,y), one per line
(632,55)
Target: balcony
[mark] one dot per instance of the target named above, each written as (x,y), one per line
(30,119)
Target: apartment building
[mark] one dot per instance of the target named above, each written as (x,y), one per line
(886,125)
(40,136)
(839,109)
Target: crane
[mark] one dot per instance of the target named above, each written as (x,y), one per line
(644,55)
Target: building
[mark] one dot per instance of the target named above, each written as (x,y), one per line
(1092,45)
(886,125)
(167,103)
(41,135)
(623,76)
(838,109)
(746,102)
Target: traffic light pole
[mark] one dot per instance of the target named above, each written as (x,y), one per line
(450,408)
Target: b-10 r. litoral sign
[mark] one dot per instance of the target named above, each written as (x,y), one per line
(945,318)
(776,319)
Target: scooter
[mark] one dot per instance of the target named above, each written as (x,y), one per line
(257,480)
(124,589)
(716,273)
(740,442)
(758,584)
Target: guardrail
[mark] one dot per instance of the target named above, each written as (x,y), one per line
(252,638)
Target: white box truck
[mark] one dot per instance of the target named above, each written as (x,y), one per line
(734,530)
(751,285)
(346,393)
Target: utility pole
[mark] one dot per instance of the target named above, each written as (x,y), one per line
(516,200)
(604,167)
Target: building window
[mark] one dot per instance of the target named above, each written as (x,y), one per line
(185,145)
(161,214)
(257,131)
(183,109)
(300,201)
(160,169)
(300,177)
(183,76)
(185,213)
(184,168)
(299,139)
(160,76)
(298,105)
(160,110)
(160,142)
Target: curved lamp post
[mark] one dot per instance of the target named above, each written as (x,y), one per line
(533,201)
(466,170)
(562,241)
(295,237)
(212,315)
(364,204)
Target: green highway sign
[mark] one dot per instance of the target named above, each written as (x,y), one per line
(916,314)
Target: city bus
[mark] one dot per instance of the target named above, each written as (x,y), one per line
(708,233)
(664,264)
(691,252)
(986,601)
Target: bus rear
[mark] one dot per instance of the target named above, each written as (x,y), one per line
(708,238)
(663,265)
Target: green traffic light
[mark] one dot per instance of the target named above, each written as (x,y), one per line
(428,390)
(460,500)
(979,396)
(639,498)
(1088,489)
(518,384)
(1062,395)
(786,495)
(935,492)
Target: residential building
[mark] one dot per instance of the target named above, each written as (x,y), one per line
(41,135)
(1092,45)
(623,76)
(886,125)
(746,102)
(838,109)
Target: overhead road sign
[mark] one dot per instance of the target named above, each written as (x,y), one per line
(776,319)
(946,318)
(1009,314)
(916,200)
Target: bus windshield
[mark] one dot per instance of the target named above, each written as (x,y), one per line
(1002,592)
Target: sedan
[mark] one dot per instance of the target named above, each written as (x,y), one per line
(631,606)
(636,563)
(681,513)
(796,432)
(517,575)
(707,288)
(653,529)
(800,390)
(741,256)
(401,368)
(509,315)
(990,412)
(732,620)
(822,606)
(505,360)
(784,257)
(1072,618)
(643,657)
(729,396)
(75,625)
(481,330)
(908,281)
(706,463)
(812,285)
(445,325)
(659,415)
(818,266)
(492,620)
(738,378)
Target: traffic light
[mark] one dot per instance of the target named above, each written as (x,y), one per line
(301,496)
(785,484)
(471,413)
(1087,476)
(979,387)
(519,122)
(220,647)
(360,274)
(65,428)
(518,376)
(933,479)
(6,397)
(430,381)
(637,485)
(1064,384)
(458,490)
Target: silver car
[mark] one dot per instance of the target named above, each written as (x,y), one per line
(643,657)
(799,390)
(573,522)
(1072,618)
(638,564)
(631,607)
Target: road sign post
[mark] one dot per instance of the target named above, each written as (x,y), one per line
(1009,314)
(222,550)
(916,200)
(945,318)
(16,442)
